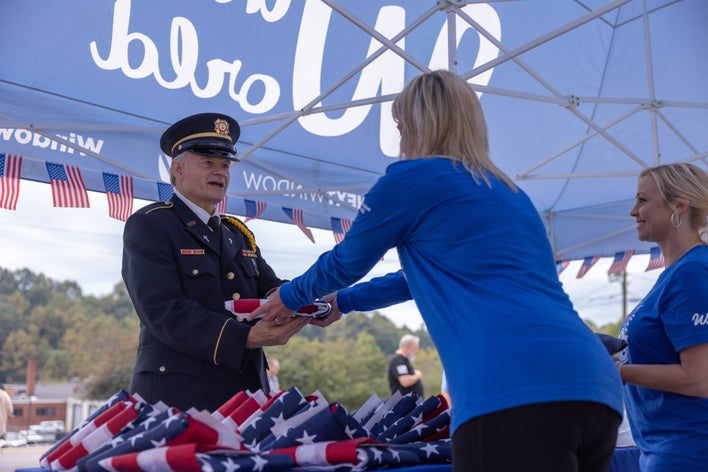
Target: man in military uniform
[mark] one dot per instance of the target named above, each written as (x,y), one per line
(179,271)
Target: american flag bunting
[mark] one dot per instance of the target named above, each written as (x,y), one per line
(656,259)
(561,265)
(340,226)
(68,189)
(119,191)
(296,216)
(619,264)
(10,175)
(587,264)
(164,191)
(221,206)
(254,209)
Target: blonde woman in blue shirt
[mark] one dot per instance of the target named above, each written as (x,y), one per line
(533,387)
(665,365)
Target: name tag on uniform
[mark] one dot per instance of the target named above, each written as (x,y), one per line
(191,252)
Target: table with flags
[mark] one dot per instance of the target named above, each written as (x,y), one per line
(257,431)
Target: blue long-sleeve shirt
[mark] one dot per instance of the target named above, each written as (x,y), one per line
(477,261)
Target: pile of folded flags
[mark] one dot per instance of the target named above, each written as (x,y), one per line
(257,432)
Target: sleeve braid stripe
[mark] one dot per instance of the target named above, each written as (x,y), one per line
(218,340)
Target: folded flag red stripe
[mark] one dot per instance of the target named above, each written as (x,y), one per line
(323,454)
(97,438)
(246,409)
(232,403)
(79,436)
(119,396)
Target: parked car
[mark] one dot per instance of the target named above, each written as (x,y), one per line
(51,426)
(13,439)
(33,438)
(49,431)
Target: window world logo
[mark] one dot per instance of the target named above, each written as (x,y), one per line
(700,320)
(71,143)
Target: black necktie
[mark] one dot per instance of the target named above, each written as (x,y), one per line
(215,224)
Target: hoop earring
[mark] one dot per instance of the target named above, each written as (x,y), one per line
(675,216)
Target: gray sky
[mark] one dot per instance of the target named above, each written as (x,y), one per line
(84,245)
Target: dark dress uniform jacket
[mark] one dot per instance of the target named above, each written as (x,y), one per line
(191,351)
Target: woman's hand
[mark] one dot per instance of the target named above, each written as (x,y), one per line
(334,315)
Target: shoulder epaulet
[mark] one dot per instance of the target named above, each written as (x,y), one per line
(241,226)
(158,206)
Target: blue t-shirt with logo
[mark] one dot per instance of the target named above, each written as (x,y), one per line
(477,262)
(670,429)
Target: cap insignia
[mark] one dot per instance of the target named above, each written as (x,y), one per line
(221,127)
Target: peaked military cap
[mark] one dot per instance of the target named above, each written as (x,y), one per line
(206,134)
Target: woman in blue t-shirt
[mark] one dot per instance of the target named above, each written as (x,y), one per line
(665,365)
(533,388)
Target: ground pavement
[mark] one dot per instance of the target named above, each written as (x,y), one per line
(13,458)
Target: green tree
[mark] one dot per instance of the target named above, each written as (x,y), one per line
(345,370)
(428,362)
(95,338)
(52,321)
(13,308)
(115,368)
(110,345)
(380,327)
(57,365)
(8,284)
(18,350)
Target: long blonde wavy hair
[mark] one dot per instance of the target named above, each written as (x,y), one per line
(439,115)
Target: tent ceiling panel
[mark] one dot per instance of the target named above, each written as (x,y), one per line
(579,96)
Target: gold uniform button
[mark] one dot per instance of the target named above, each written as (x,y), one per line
(236,296)
(230,275)
(163,368)
(195,271)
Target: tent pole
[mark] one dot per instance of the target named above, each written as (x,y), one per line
(624,294)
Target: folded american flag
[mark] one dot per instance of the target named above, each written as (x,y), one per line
(256,431)
(285,406)
(399,410)
(196,457)
(128,439)
(119,396)
(425,409)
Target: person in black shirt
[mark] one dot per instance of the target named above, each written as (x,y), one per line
(402,376)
